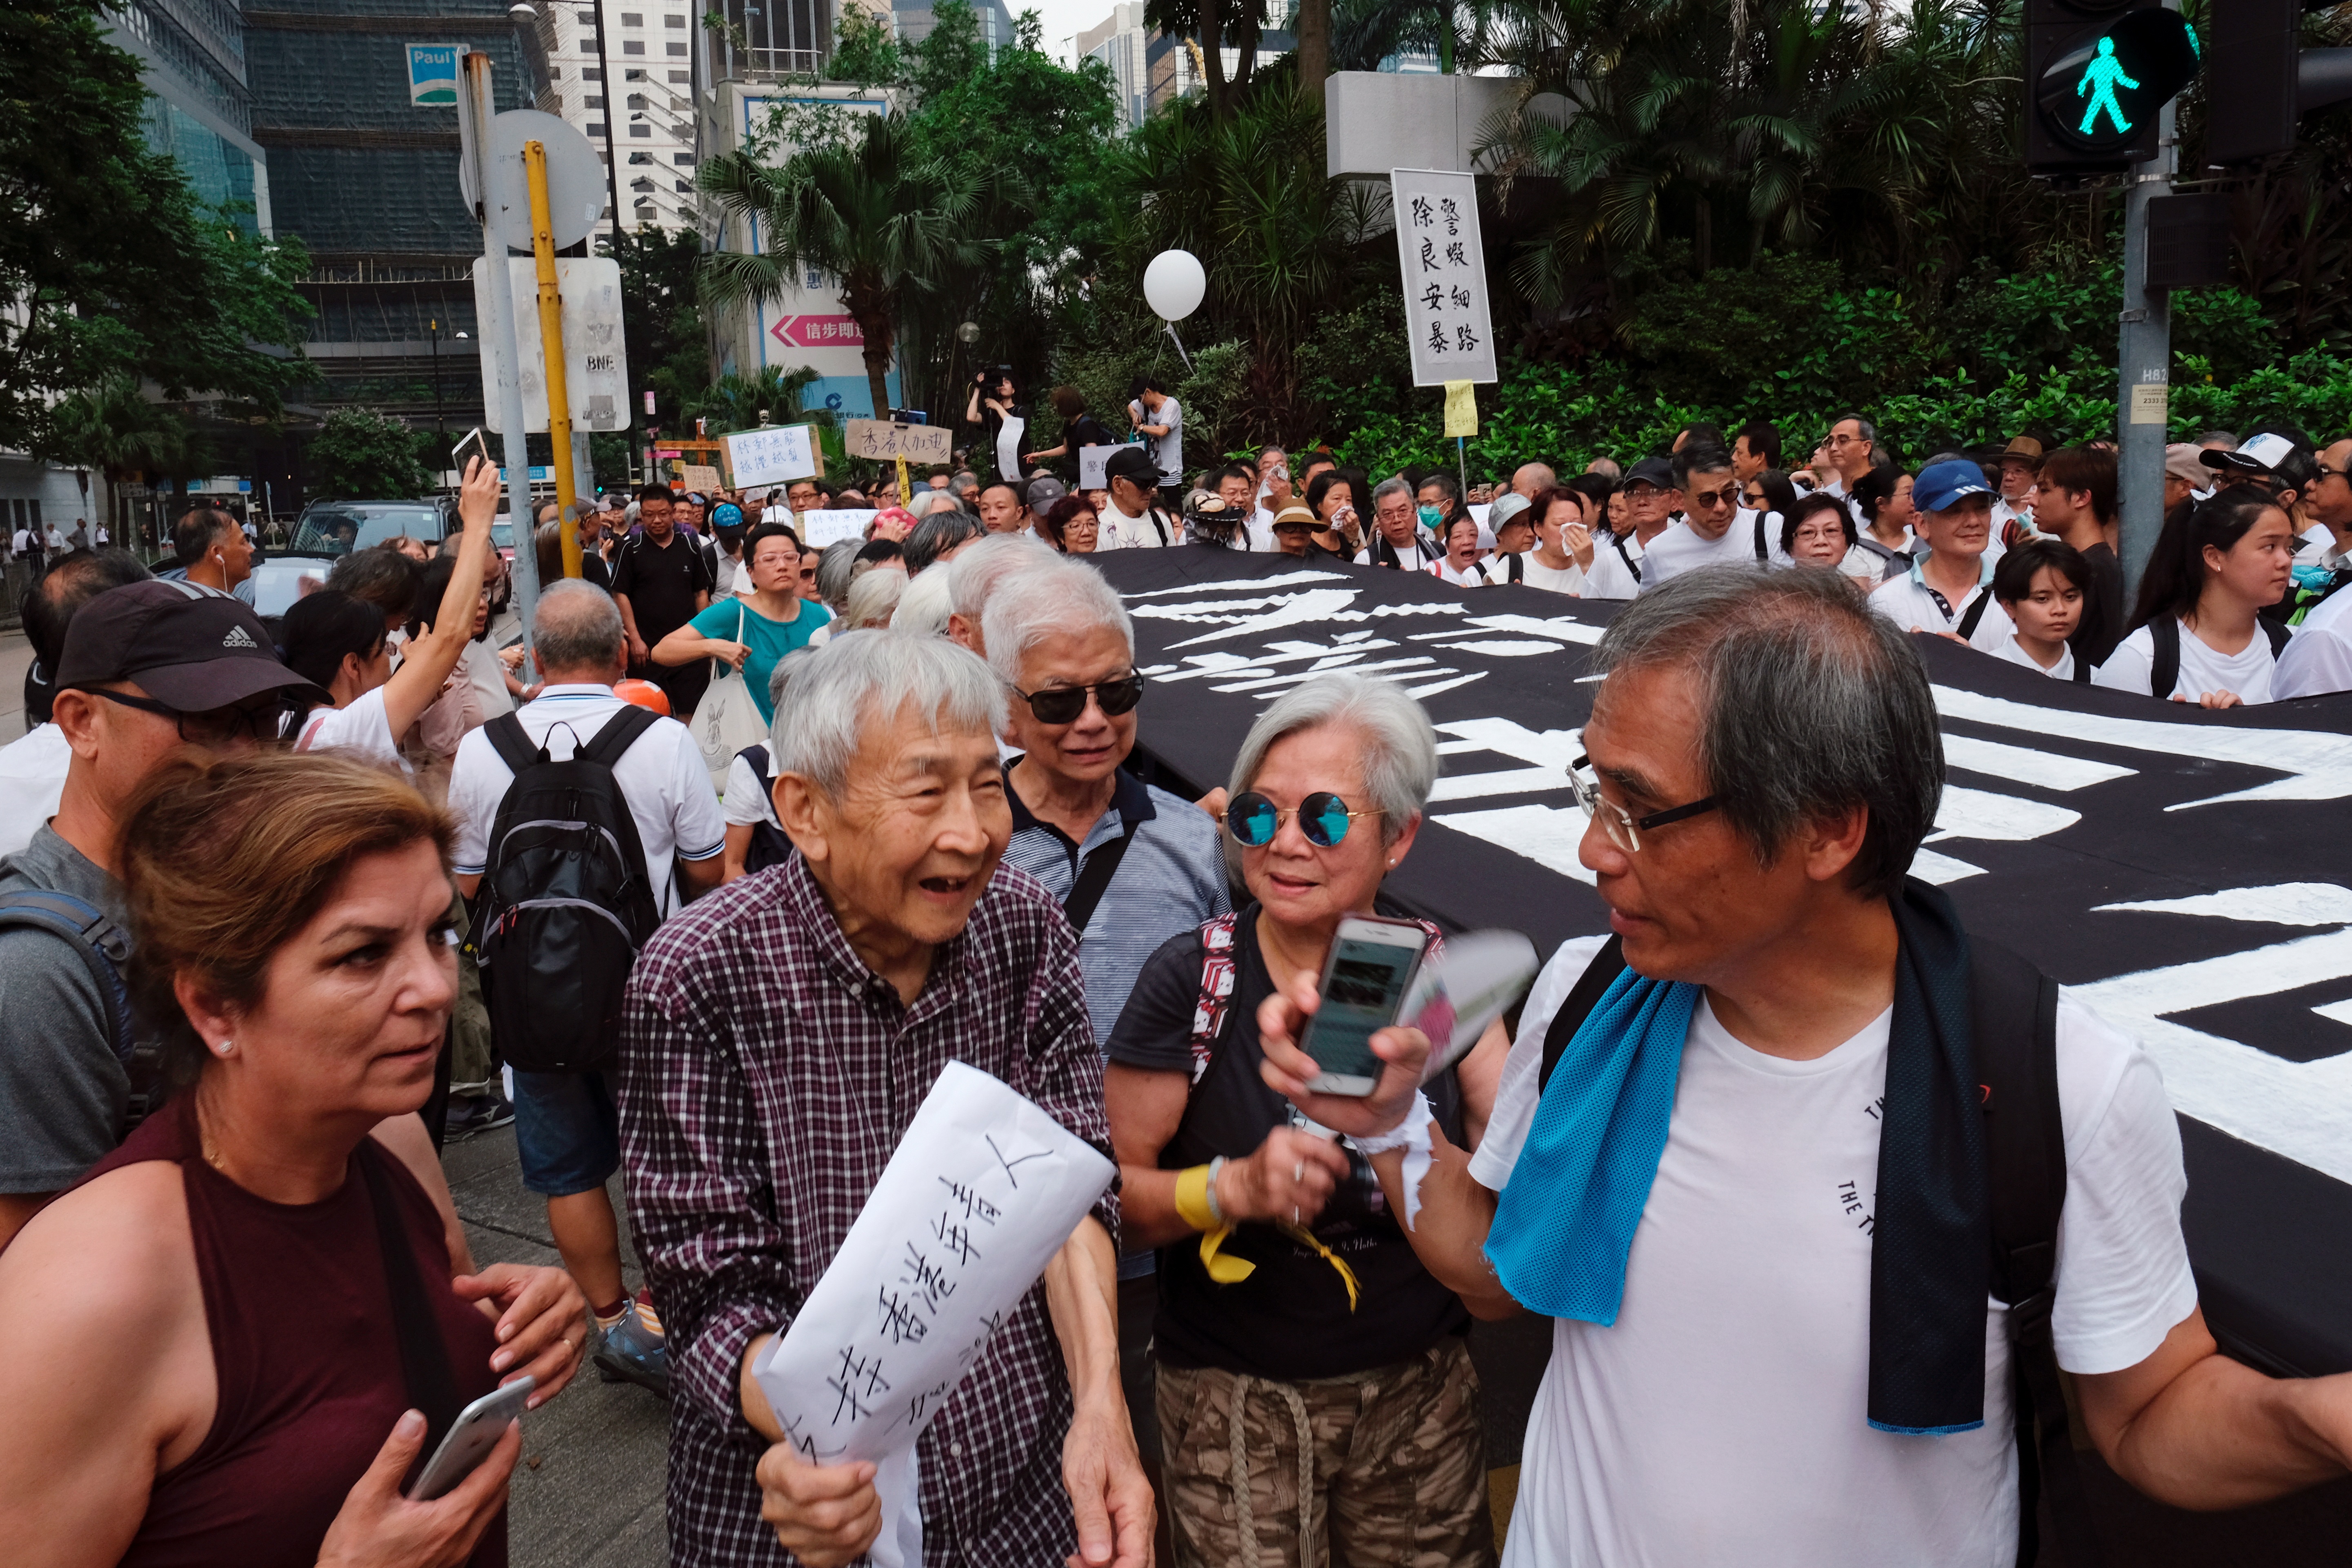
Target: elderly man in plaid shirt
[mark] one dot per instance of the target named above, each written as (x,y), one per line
(780,1035)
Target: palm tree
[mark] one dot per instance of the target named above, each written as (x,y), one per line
(112,428)
(735,402)
(869,210)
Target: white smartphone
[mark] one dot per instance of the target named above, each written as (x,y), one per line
(471,1439)
(1364,981)
(475,445)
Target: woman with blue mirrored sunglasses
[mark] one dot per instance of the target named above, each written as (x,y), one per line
(1254,820)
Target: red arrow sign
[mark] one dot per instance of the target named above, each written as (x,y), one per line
(818,333)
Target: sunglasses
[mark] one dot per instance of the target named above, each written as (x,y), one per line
(1323,816)
(1063,704)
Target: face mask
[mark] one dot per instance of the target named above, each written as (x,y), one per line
(1432,516)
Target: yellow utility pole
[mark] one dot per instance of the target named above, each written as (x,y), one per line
(550,343)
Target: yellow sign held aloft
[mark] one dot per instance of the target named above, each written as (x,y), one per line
(1460,409)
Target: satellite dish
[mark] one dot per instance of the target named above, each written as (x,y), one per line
(575,178)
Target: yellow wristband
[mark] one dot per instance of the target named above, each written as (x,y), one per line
(1192,1199)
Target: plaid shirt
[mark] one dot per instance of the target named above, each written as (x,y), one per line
(762,1057)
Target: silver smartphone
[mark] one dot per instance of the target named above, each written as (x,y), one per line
(1364,979)
(475,445)
(471,1438)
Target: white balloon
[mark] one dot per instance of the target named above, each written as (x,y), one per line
(1174,284)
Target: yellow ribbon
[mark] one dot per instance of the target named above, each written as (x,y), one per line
(1192,1208)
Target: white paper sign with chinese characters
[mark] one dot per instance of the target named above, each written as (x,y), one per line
(822,526)
(980,1193)
(1091,463)
(771,456)
(1445,307)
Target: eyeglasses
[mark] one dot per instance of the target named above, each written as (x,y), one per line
(1729,496)
(1623,828)
(1754,500)
(1063,704)
(2322,471)
(1323,816)
(215,727)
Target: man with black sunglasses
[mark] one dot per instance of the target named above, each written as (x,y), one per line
(1132,864)
(147,669)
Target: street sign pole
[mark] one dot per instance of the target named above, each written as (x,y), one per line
(501,381)
(2144,356)
(551,343)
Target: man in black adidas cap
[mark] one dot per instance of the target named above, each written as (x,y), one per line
(147,669)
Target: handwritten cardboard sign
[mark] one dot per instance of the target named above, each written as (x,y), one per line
(774,454)
(822,526)
(883,440)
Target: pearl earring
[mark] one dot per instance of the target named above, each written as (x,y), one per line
(224,1048)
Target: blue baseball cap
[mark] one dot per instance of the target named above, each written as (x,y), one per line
(727,514)
(1940,486)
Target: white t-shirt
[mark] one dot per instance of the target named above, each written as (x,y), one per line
(1413,557)
(32,778)
(2247,672)
(2062,670)
(1167,451)
(748,801)
(1261,531)
(661,777)
(1614,564)
(2319,659)
(1120,531)
(1681,548)
(1720,1422)
(363,729)
(1910,604)
(1482,574)
(1568,579)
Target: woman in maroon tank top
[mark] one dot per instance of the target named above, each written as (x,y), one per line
(207,1364)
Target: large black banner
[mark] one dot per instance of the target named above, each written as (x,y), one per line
(2187,873)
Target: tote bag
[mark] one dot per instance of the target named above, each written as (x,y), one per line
(728,718)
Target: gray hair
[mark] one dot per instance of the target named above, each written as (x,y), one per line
(873,599)
(936,535)
(872,677)
(1394,486)
(1810,704)
(1062,593)
(833,570)
(1399,747)
(782,676)
(577,628)
(973,575)
(1863,427)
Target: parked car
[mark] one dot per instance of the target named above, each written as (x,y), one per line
(331,528)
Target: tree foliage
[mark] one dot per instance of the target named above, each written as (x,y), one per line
(360,453)
(661,315)
(110,266)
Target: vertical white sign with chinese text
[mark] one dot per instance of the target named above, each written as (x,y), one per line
(1445,307)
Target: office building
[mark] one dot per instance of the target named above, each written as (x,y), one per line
(1122,42)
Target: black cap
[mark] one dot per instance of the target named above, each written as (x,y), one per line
(1653,471)
(1134,465)
(186,647)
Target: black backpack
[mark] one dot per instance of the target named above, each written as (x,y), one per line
(2164,633)
(2015,1041)
(566,900)
(105,951)
(769,845)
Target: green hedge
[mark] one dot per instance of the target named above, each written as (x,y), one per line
(1568,415)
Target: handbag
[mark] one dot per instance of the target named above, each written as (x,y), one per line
(727,719)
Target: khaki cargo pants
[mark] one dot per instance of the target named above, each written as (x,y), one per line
(1391,1465)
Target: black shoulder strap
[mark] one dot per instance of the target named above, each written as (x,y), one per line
(512,743)
(759,760)
(1974,615)
(2279,633)
(1606,965)
(1158,521)
(1518,568)
(424,1355)
(1761,554)
(1094,878)
(1626,556)
(2082,671)
(619,733)
(2014,1039)
(2164,669)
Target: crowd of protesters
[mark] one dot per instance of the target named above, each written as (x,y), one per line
(301,906)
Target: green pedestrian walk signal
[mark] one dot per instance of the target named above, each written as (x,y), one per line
(2097,72)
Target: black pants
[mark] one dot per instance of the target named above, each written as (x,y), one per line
(683,684)
(1138,1303)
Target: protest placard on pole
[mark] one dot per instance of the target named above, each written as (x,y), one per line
(883,440)
(1091,460)
(1447,322)
(774,454)
(822,526)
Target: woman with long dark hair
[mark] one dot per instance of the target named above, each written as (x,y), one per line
(2196,635)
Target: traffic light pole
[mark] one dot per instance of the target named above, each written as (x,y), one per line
(2144,357)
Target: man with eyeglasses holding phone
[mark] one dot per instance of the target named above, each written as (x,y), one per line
(1715,529)
(147,668)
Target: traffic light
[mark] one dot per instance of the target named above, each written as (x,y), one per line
(2096,73)
(2263,80)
